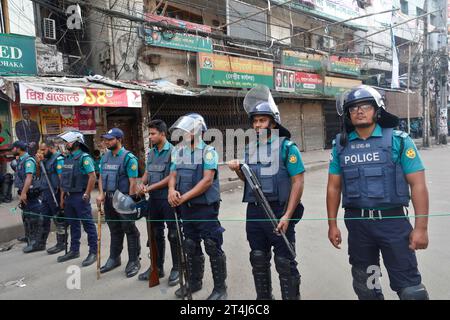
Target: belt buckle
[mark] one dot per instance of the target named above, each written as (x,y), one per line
(371,214)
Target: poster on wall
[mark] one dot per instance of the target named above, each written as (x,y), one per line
(86,120)
(26,123)
(284,80)
(69,120)
(50,120)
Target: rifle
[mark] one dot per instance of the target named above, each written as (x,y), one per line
(99,238)
(255,185)
(56,202)
(153,279)
(182,261)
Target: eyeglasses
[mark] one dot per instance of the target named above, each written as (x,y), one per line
(364,108)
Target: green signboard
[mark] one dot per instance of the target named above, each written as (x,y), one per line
(349,66)
(17,55)
(233,72)
(180,41)
(301,60)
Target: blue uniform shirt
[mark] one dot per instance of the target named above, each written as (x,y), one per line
(409,159)
(59,164)
(30,165)
(210,159)
(130,160)
(87,165)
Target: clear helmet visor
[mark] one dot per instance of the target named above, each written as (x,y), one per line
(123,203)
(61,145)
(340,101)
(189,124)
(260,95)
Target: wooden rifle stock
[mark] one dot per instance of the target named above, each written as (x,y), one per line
(153,280)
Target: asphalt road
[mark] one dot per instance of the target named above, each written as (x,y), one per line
(325,270)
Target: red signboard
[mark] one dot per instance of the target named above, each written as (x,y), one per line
(50,95)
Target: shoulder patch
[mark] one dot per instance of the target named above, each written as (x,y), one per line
(28,164)
(59,167)
(134,167)
(86,162)
(293,159)
(209,156)
(411,153)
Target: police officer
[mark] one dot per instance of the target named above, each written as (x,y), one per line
(77,183)
(155,181)
(194,191)
(52,161)
(375,166)
(282,177)
(118,171)
(27,184)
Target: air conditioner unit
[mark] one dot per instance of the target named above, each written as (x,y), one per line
(328,42)
(49,29)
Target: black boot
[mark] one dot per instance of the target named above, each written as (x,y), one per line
(26,229)
(134,251)
(30,230)
(196,268)
(161,248)
(90,259)
(132,268)
(111,264)
(219,270)
(38,235)
(145,276)
(174,277)
(289,281)
(69,256)
(59,246)
(260,262)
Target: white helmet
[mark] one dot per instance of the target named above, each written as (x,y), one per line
(74,136)
(192,122)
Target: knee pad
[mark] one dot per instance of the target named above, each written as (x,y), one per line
(283,265)
(360,286)
(211,248)
(260,259)
(418,292)
(191,247)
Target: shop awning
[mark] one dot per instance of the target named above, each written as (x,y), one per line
(92,91)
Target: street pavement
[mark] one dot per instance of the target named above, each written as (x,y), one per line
(325,270)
